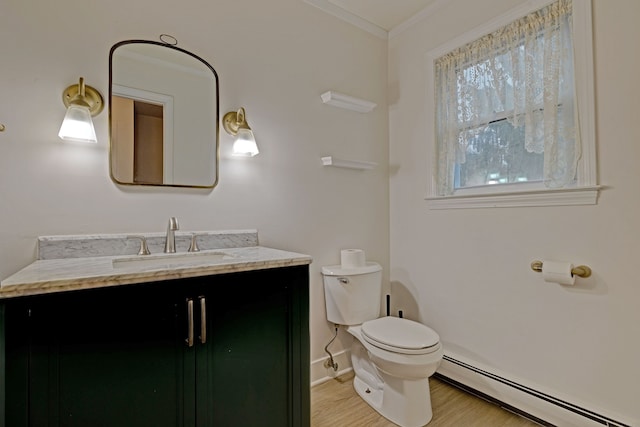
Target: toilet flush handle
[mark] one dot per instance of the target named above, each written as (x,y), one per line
(343,280)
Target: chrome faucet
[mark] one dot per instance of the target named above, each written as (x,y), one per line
(170,242)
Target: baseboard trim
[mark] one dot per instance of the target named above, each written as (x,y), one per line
(539,407)
(320,374)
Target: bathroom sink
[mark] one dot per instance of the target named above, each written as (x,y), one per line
(173,260)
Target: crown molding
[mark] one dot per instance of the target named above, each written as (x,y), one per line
(349,17)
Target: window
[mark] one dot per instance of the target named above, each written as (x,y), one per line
(511,116)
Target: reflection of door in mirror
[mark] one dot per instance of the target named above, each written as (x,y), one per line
(142,153)
(138,131)
(147,143)
(162,90)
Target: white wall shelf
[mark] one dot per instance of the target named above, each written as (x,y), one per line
(347,102)
(349,164)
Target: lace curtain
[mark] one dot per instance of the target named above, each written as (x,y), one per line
(523,73)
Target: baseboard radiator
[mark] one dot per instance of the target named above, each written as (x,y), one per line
(539,407)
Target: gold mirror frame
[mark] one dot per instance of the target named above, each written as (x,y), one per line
(210,126)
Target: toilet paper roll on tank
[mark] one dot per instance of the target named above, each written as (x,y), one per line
(558,272)
(352,258)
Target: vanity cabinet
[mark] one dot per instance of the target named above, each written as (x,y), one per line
(122,356)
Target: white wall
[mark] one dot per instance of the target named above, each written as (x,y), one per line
(274,58)
(466,272)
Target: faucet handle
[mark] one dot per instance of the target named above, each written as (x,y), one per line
(193,247)
(144,249)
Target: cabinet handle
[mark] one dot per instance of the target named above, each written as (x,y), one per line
(203,319)
(189,339)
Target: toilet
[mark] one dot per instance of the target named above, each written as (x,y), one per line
(392,357)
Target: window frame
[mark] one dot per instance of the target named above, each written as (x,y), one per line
(586,190)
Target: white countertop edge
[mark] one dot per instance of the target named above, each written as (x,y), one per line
(61,275)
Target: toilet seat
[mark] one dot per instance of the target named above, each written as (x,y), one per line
(400,335)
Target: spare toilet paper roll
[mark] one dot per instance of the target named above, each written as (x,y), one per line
(558,272)
(352,258)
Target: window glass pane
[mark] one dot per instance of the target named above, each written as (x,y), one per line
(495,154)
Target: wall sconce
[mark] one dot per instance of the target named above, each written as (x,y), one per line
(82,102)
(235,124)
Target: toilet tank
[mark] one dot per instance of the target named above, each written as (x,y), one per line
(352,295)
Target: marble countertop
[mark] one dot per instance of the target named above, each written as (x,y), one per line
(67,274)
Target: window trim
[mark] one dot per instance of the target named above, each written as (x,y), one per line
(586,190)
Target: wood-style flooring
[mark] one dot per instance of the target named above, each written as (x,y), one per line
(336,404)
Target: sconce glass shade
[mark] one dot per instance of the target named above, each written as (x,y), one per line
(245,144)
(82,102)
(77,125)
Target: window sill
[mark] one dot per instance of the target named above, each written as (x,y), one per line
(547,197)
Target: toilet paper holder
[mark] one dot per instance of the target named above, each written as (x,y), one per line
(580,271)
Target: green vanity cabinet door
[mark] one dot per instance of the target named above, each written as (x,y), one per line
(109,357)
(255,360)
(117,357)
(16,366)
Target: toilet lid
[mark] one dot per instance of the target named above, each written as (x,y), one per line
(400,335)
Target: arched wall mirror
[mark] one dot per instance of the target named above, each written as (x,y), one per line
(163,114)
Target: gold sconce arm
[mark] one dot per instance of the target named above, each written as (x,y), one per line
(83,95)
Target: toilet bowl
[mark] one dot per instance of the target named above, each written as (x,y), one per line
(392,358)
